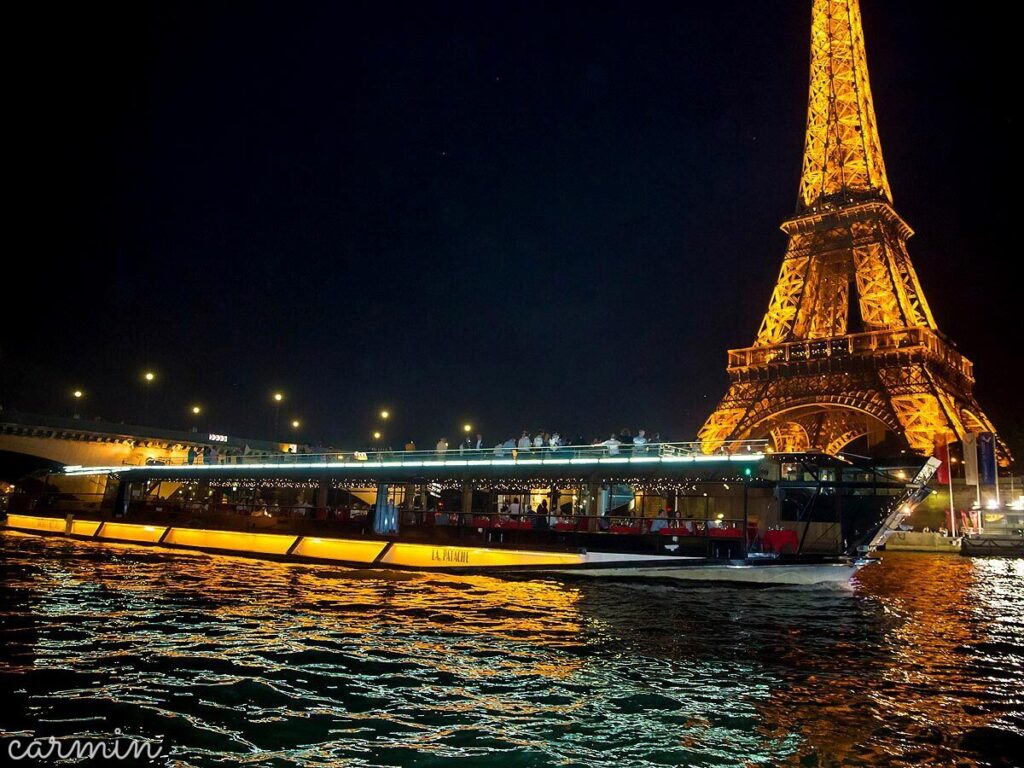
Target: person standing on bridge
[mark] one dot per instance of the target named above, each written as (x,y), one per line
(442,447)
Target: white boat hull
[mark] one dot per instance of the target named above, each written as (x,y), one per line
(788,574)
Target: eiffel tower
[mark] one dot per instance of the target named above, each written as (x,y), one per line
(848,347)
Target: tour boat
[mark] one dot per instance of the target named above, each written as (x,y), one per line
(667,512)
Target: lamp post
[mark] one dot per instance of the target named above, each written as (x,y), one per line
(277,397)
(149,378)
(196,410)
(77,394)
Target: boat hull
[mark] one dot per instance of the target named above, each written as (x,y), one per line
(393,554)
(780,574)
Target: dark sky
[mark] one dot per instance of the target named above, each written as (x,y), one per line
(527,215)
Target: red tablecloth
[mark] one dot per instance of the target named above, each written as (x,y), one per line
(781,541)
(677,531)
(725,533)
(565,526)
(624,529)
(515,525)
(483,522)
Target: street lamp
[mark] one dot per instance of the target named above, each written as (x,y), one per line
(77,394)
(376,435)
(149,377)
(295,424)
(196,410)
(277,397)
(467,428)
(385,414)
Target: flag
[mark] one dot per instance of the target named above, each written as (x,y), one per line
(971,458)
(987,457)
(941,453)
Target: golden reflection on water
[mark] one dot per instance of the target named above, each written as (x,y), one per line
(923,685)
(227,657)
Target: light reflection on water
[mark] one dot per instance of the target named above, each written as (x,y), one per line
(239,660)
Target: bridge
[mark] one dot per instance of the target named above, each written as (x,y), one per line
(31,442)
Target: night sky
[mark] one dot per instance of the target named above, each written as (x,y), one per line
(540,216)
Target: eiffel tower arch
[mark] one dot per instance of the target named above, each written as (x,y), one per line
(848,347)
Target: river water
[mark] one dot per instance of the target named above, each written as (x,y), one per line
(230,661)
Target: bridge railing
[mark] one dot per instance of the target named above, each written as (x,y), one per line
(452,456)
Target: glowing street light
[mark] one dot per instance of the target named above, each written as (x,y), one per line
(467,428)
(376,435)
(385,414)
(196,410)
(296,424)
(77,394)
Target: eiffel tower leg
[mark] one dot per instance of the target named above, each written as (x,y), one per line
(928,407)
(722,424)
(925,409)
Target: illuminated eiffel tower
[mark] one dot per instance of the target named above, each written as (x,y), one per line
(848,347)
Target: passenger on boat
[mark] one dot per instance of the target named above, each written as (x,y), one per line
(479,443)
(612,444)
(514,509)
(640,442)
(524,442)
(540,522)
(442,446)
(555,442)
(410,445)
(538,440)
(661,521)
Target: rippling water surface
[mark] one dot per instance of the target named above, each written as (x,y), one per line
(230,661)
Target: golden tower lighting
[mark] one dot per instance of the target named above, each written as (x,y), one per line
(848,347)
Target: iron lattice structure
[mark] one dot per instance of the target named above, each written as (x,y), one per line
(848,346)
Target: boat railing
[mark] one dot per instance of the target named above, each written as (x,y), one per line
(608,451)
(266,515)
